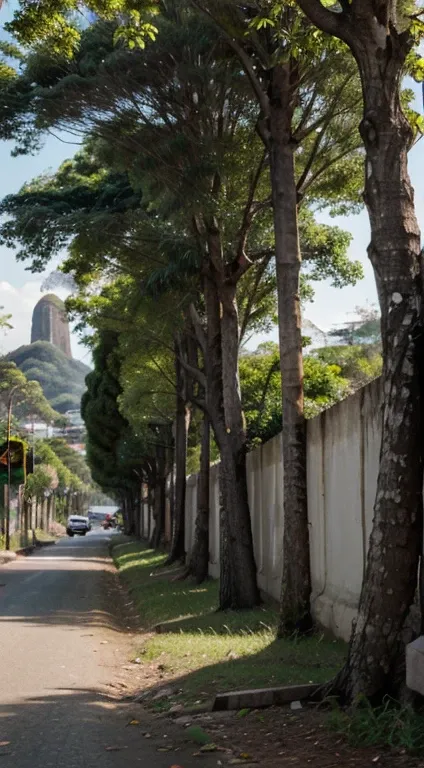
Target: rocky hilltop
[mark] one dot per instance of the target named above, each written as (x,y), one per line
(50,323)
(48,359)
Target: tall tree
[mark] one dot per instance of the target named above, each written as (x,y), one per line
(307,95)
(106,427)
(184,151)
(381,35)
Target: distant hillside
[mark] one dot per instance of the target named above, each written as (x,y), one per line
(62,379)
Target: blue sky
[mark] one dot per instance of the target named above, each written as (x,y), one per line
(20,289)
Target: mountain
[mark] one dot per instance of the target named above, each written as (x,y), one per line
(62,378)
(50,323)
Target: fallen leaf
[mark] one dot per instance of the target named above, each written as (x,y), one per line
(114,749)
(134,722)
(198,735)
(164,749)
(209,748)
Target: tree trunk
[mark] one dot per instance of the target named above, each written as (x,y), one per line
(159,498)
(142,501)
(392,565)
(3,512)
(125,515)
(199,560)
(370,30)
(43,514)
(48,513)
(158,516)
(295,614)
(238,585)
(131,511)
(182,425)
(26,517)
(139,513)
(150,513)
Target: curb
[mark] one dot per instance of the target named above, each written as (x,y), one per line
(25,551)
(258,698)
(7,557)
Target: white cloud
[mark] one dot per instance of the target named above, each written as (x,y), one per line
(20,303)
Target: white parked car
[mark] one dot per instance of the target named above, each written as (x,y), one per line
(77,525)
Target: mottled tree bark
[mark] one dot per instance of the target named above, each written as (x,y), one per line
(370,30)
(295,612)
(238,585)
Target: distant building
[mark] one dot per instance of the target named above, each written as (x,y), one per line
(38,429)
(78,448)
(75,419)
(50,323)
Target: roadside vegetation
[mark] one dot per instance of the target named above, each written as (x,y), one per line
(189,646)
(212,137)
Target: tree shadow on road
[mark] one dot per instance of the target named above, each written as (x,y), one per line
(73,596)
(78,728)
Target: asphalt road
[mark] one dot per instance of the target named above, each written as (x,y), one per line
(62,668)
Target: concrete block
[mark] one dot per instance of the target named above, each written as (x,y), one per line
(415,665)
(258,698)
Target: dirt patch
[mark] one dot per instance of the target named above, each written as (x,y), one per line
(187,665)
(278,738)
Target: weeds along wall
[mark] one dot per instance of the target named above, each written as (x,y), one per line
(343,445)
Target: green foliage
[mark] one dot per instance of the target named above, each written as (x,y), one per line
(37,483)
(360,364)
(261,390)
(196,640)
(324,252)
(389,725)
(53,21)
(108,432)
(45,456)
(74,462)
(27,395)
(171,141)
(81,200)
(4,321)
(365,330)
(57,467)
(62,380)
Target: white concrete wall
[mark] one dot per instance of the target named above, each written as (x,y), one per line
(343,446)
